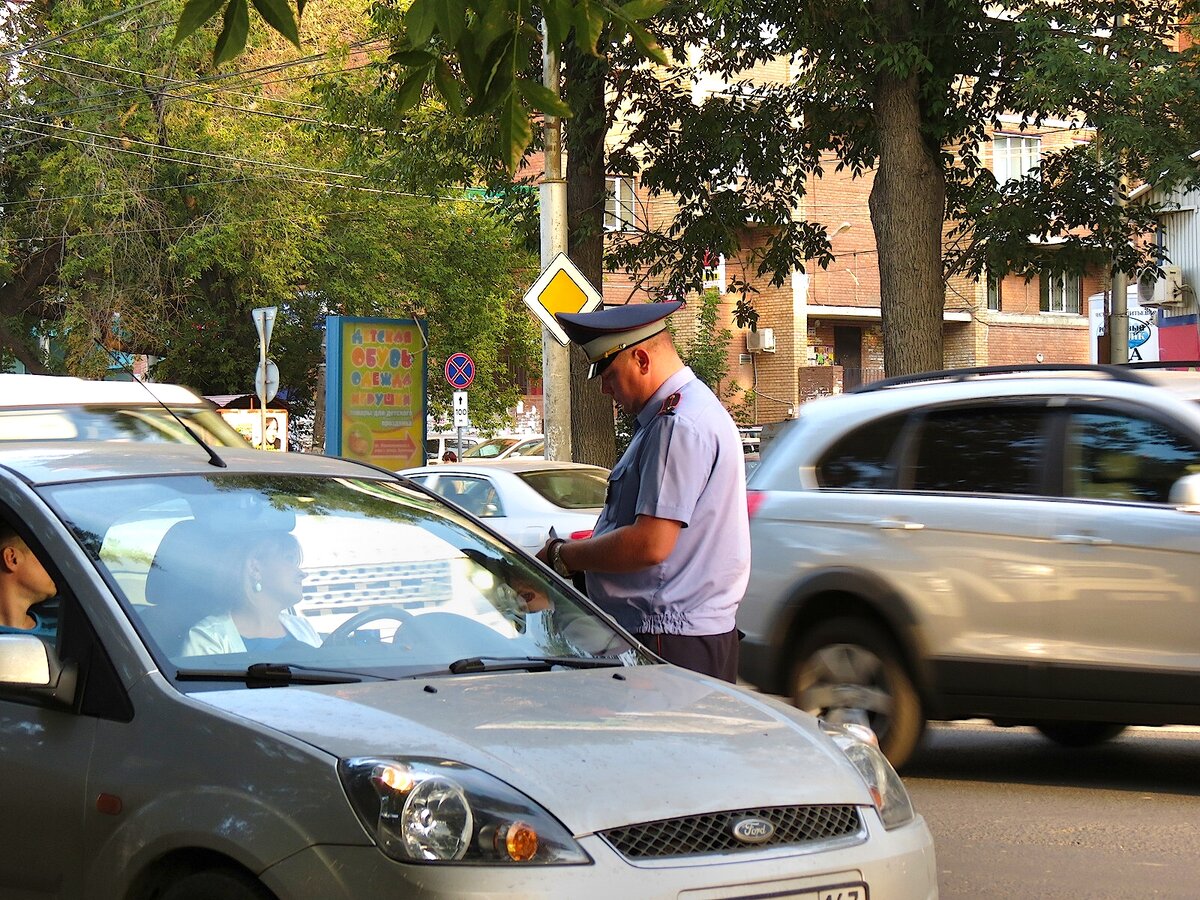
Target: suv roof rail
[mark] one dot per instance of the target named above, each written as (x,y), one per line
(1168,364)
(1116,372)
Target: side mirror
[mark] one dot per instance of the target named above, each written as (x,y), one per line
(1185,494)
(29,667)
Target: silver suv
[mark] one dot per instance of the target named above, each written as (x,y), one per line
(1017,545)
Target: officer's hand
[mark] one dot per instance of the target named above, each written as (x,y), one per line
(544,553)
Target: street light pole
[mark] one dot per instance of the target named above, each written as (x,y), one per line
(552,193)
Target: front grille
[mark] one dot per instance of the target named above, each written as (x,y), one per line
(713,832)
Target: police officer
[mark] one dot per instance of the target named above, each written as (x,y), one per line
(670,554)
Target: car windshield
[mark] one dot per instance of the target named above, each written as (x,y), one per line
(489,449)
(582,488)
(365,577)
(116,423)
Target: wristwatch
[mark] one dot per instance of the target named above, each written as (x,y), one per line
(555,556)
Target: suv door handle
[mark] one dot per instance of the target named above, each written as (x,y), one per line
(1085,540)
(897,525)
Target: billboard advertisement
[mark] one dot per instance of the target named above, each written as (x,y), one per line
(375,380)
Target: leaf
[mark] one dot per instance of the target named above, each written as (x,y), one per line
(411,58)
(589,22)
(195,13)
(558,20)
(419,21)
(647,43)
(492,26)
(542,98)
(641,9)
(278,15)
(516,131)
(236,29)
(451,17)
(447,86)
(409,93)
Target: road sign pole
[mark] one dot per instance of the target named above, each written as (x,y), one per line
(556,359)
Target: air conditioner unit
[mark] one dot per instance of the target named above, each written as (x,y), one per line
(1164,291)
(761,341)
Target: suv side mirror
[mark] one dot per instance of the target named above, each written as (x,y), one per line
(1185,494)
(30,667)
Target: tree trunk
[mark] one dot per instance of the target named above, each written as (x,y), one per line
(592,434)
(22,294)
(908,206)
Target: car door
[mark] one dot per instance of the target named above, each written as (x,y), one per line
(969,528)
(44,759)
(1126,563)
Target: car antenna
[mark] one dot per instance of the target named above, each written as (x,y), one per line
(213,459)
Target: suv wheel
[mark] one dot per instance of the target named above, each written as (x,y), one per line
(1080,734)
(849,671)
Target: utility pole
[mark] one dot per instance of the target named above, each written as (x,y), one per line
(1118,318)
(552,195)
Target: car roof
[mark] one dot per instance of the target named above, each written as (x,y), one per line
(516,465)
(967,385)
(21,391)
(54,462)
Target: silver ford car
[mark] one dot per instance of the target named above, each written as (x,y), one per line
(293,676)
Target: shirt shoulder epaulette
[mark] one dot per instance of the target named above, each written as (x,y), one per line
(669,404)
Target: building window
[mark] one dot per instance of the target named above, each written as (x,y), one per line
(1061,293)
(1014,155)
(993,292)
(714,271)
(619,200)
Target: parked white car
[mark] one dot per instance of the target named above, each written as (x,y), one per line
(60,408)
(523,498)
(470,726)
(532,446)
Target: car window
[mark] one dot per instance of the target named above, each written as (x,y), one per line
(570,488)
(367,575)
(490,449)
(116,423)
(1112,456)
(476,495)
(533,448)
(986,450)
(863,459)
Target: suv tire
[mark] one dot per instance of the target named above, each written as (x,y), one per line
(848,670)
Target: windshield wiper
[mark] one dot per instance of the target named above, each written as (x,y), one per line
(472,664)
(276,675)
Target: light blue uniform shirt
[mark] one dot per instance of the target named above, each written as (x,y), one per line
(684,464)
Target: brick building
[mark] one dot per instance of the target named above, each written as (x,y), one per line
(821,332)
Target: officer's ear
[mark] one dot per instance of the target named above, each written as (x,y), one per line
(641,358)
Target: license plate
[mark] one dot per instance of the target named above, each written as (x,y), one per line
(843,892)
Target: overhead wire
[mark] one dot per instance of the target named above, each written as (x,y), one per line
(362,188)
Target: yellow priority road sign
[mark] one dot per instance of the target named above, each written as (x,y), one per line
(561,288)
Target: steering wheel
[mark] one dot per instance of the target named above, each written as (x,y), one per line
(340,636)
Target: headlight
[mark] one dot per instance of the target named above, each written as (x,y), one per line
(437,811)
(887,790)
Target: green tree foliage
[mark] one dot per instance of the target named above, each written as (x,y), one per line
(475,53)
(150,203)
(908,92)
(912,92)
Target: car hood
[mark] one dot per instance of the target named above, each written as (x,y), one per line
(598,748)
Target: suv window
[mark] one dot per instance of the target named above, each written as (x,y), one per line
(986,450)
(862,460)
(1111,456)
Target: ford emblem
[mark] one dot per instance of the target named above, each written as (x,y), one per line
(753,830)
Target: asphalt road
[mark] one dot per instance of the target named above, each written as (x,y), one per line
(1016,816)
